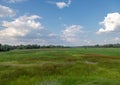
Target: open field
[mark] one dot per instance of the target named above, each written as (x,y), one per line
(61,66)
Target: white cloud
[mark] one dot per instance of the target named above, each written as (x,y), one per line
(63,4)
(13,1)
(111,23)
(71,33)
(21,26)
(27,30)
(6,11)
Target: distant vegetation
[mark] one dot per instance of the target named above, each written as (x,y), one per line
(35,46)
(105,46)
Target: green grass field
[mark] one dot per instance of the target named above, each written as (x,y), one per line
(61,66)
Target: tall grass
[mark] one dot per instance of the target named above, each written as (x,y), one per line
(69,66)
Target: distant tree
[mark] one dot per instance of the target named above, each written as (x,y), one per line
(97,45)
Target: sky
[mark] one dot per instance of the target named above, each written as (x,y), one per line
(60,22)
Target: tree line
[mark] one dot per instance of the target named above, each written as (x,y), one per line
(35,46)
(104,46)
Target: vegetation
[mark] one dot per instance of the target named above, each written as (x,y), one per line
(35,46)
(60,66)
(104,46)
(10,47)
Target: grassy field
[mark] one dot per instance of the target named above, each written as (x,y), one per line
(63,66)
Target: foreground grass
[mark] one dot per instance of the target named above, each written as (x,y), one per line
(69,66)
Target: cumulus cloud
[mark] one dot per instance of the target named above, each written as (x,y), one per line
(27,30)
(20,26)
(71,33)
(13,1)
(111,23)
(6,11)
(61,4)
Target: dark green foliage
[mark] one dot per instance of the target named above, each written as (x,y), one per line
(34,46)
(5,47)
(103,46)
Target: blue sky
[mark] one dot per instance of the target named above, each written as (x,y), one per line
(59,22)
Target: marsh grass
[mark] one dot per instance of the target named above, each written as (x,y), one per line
(70,66)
